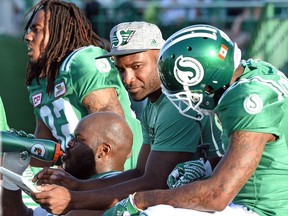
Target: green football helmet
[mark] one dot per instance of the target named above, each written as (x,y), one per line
(195,66)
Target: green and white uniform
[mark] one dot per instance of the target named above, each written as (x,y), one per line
(165,129)
(258,102)
(79,75)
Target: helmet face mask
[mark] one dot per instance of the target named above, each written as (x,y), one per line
(194,65)
(186,101)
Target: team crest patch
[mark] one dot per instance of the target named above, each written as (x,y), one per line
(38,150)
(188,71)
(103,65)
(37,99)
(223,52)
(59,89)
(122,37)
(253,104)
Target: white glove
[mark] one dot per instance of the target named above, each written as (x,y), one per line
(17,163)
(189,171)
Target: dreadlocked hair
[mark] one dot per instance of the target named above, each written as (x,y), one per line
(69,29)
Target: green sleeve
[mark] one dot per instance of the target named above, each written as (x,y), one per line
(88,74)
(249,111)
(3,120)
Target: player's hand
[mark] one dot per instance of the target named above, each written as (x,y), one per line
(22,133)
(56,176)
(189,171)
(53,198)
(125,207)
(17,163)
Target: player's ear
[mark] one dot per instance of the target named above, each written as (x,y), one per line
(103,150)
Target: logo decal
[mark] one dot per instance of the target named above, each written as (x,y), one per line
(122,37)
(37,98)
(38,150)
(223,52)
(103,65)
(188,71)
(59,89)
(253,104)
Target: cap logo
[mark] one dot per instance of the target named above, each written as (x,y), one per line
(153,43)
(188,71)
(122,37)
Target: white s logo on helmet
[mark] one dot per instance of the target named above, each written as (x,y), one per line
(188,71)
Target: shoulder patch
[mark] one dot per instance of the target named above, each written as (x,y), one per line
(103,65)
(253,104)
(59,89)
(37,99)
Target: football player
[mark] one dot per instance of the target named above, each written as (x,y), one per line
(201,70)
(64,80)
(98,150)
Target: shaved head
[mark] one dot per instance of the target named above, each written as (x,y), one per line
(102,142)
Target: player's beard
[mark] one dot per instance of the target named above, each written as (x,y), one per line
(81,167)
(35,68)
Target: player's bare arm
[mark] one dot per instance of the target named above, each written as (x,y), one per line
(56,204)
(42,131)
(158,167)
(103,100)
(240,161)
(56,176)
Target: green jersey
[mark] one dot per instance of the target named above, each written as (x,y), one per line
(79,74)
(165,129)
(3,120)
(258,102)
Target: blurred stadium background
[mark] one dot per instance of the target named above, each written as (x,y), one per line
(259,27)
